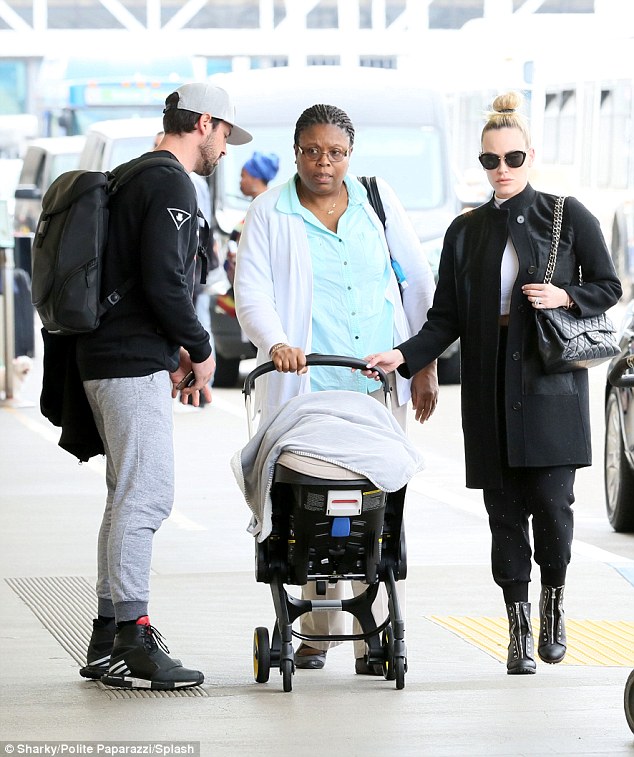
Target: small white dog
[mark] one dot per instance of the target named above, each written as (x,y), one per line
(21,369)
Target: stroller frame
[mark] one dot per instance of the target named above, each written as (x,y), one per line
(386,640)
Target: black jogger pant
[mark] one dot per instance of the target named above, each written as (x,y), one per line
(546,494)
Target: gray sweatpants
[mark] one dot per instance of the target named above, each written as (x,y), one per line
(134,419)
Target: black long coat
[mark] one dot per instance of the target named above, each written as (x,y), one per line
(547,416)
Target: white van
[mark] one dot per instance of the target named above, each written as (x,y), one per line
(110,143)
(401,135)
(45,159)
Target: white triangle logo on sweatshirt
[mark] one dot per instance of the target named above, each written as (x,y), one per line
(179,216)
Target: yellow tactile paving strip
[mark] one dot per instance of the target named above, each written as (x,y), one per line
(590,642)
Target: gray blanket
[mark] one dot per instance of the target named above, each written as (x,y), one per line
(349,429)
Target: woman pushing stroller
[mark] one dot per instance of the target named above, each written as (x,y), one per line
(313,274)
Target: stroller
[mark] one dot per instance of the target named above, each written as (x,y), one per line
(328,524)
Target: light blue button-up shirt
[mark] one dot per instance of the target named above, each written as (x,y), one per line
(351,315)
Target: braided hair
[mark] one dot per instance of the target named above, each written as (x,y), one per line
(324,114)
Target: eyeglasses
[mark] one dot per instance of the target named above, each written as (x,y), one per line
(490,160)
(335,155)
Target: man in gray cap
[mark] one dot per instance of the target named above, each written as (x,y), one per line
(207,109)
(149,347)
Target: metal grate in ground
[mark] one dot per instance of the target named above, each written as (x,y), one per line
(64,605)
(590,642)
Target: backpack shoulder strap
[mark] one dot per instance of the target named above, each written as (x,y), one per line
(116,179)
(371,187)
(123,173)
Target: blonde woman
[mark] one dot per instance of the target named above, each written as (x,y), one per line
(525,432)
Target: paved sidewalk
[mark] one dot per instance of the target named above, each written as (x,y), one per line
(457,700)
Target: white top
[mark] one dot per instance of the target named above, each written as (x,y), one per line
(508,271)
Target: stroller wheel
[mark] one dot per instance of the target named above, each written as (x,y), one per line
(261,654)
(389,671)
(286,669)
(394,667)
(399,672)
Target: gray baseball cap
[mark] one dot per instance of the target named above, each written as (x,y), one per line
(207,98)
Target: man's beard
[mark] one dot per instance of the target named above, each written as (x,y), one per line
(208,159)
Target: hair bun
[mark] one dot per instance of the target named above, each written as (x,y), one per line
(506,113)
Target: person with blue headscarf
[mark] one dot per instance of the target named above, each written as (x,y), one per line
(257,172)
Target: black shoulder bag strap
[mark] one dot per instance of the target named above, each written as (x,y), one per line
(374,196)
(369,182)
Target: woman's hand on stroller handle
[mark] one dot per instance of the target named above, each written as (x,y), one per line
(289,359)
(389,361)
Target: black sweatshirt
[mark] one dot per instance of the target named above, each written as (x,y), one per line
(152,238)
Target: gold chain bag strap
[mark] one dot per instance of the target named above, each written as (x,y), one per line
(565,342)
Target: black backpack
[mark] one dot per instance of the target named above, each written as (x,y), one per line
(69,245)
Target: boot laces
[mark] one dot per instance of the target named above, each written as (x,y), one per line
(153,638)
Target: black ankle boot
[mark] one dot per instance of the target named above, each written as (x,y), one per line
(520,658)
(552,629)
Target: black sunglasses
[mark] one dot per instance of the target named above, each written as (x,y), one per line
(490,160)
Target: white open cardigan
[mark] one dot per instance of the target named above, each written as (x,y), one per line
(273,286)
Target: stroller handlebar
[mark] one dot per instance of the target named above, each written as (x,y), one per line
(315,359)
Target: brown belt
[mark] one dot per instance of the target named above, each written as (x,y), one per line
(504,320)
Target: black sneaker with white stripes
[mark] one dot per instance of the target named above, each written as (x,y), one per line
(139,661)
(99,648)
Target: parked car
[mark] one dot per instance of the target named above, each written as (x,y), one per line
(629,701)
(10,170)
(109,143)
(45,159)
(230,344)
(619,431)
(623,244)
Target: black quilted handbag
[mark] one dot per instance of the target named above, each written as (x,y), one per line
(567,343)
